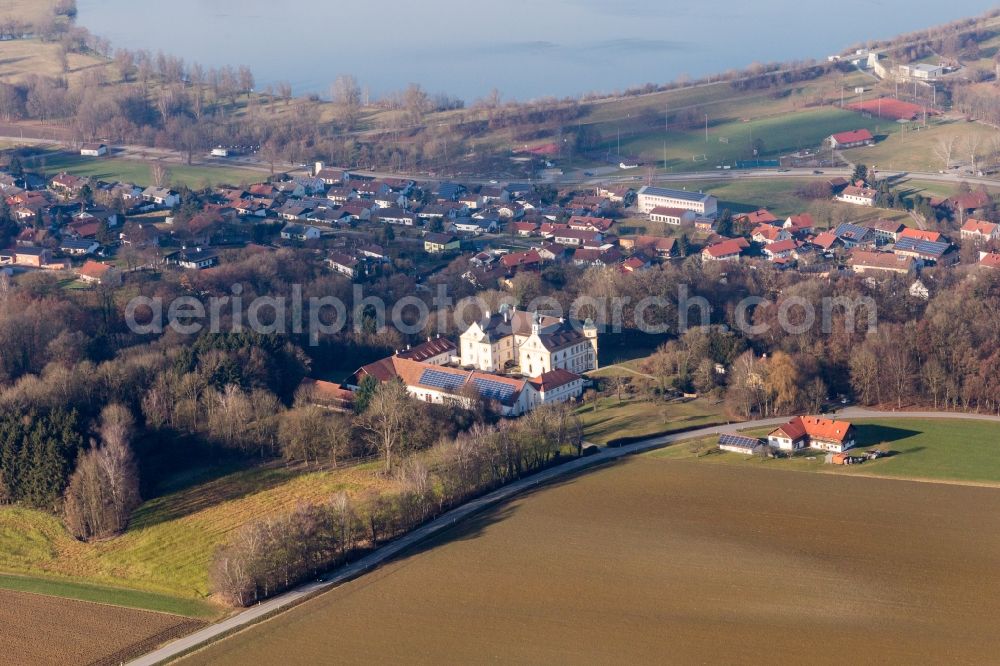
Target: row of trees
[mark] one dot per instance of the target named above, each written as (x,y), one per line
(268,556)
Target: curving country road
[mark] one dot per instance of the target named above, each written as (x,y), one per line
(348,572)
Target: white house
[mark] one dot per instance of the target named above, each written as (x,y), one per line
(814,432)
(161,196)
(858,196)
(300,232)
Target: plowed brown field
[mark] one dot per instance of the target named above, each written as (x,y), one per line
(40,630)
(675,561)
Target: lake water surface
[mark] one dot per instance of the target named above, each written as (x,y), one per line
(524,48)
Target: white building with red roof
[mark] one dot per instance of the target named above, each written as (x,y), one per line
(980,231)
(852,139)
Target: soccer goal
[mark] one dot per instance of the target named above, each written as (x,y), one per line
(723,139)
(699,158)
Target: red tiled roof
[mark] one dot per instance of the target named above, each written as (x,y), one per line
(554,379)
(920,234)
(815,427)
(854,136)
(94,270)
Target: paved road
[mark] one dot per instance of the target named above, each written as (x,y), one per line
(602,175)
(448,520)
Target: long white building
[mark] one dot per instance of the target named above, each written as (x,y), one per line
(649,198)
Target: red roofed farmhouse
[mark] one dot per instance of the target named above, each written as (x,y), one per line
(813,432)
(852,139)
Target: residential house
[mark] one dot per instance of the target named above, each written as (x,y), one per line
(858,196)
(78,247)
(729,249)
(471,225)
(664,248)
(766,234)
(783,249)
(989,260)
(300,232)
(585,223)
(437,243)
(922,235)
(574,238)
(885,231)
(853,235)
(344,264)
(756,218)
(593,256)
(93,272)
(193,258)
(396,216)
(867,261)
(67,185)
(527,260)
(980,231)
(524,229)
(161,196)
(814,432)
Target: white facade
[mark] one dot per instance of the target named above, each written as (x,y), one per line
(658,197)
(534,344)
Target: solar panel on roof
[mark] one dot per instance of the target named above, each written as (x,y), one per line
(442,380)
(493,390)
(743,441)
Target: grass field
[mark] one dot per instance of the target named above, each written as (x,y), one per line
(654,561)
(638,418)
(934,449)
(781,135)
(42,630)
(158,603)
(169,544)
(137,171)
(914,151)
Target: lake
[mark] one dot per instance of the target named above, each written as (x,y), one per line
(526,49)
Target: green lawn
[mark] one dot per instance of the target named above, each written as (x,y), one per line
(169,544)
(937,449)
(915,150)
(138,172)
(113,596)
(615,420)
(778,195)
(730,139)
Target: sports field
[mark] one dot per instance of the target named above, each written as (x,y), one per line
(664,561)
(41,630)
